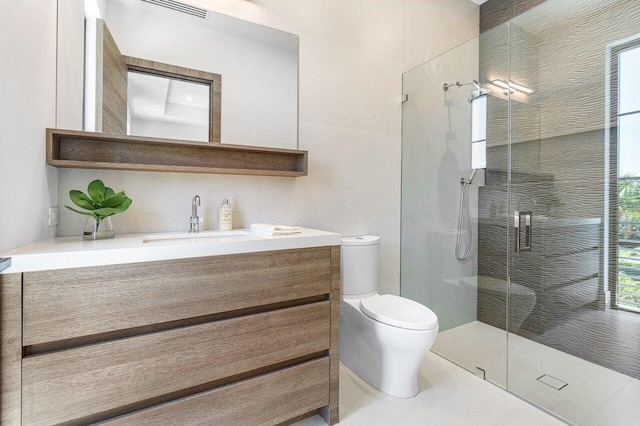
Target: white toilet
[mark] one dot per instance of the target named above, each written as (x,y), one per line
(383,338)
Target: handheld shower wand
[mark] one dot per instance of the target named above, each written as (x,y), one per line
(462,217)
(470,180)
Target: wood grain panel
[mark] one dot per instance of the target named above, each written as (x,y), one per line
(72,384)
(145,65)
(88,150)
(10,348)
(335,296)
(113,82)
(330,413)
(266,400)
(71,303)
(174,155)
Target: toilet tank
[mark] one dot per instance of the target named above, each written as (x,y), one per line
(359,264)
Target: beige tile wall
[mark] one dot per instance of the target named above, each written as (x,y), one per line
(27,107)
(352,56)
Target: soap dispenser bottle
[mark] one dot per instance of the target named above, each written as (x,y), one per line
(226,216)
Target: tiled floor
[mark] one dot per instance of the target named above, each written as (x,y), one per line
(449,395)
(594,395)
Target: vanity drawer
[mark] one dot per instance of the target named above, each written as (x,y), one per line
(72,303)
(76,384)
(266,400)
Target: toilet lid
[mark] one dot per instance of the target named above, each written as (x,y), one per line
(399,312)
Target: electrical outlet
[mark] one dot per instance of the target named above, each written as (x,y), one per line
(52,218)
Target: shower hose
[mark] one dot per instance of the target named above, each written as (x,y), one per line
(462,218)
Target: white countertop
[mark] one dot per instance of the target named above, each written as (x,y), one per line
(73,252)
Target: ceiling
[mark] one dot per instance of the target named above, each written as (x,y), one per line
(219,22)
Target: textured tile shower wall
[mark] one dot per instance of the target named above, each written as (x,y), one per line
(496,12)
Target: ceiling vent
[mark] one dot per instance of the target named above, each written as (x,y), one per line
(180,7)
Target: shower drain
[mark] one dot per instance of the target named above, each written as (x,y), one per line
(552,381)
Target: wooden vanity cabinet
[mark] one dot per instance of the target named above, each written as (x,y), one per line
(243,339)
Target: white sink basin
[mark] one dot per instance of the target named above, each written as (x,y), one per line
(73,252)
(204,236)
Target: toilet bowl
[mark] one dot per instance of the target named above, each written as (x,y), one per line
(383,338)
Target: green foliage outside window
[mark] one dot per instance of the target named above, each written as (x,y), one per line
(629,243)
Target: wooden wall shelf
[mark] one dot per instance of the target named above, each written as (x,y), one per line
(88,150)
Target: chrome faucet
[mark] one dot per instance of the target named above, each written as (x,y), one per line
(195,220)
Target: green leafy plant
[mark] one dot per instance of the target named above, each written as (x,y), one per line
(100,202)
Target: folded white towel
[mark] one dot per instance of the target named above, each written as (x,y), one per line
(269,229)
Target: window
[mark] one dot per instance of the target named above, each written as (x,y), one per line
(627,120)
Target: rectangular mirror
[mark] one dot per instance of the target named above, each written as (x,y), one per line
(171,70)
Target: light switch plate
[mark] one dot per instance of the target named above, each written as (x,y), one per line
(52,218)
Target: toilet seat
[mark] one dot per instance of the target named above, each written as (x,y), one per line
(399,312)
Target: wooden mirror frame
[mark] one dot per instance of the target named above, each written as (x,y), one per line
(214,81)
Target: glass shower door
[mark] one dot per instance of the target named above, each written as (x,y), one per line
(468,296)
(573,344)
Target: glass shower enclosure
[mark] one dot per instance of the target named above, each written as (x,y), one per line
(547,302)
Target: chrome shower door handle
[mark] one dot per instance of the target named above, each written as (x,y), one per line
(519,219)
(527,232)
(516,229)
